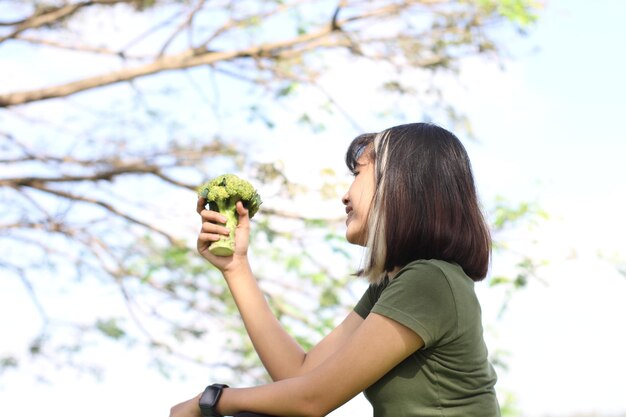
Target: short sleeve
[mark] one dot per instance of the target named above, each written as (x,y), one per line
(420,298)
(367,301)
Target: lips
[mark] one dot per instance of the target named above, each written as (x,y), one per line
(349,213)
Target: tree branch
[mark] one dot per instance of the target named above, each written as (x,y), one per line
(78,48)
(30,289)
(54,15)
(102,176)
(196,57)
(186,23)
(106,206)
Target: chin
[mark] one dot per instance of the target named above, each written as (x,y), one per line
(355,239)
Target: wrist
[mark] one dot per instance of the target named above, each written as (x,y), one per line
(237,271)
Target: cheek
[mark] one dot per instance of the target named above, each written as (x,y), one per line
(364,204)
(359,198)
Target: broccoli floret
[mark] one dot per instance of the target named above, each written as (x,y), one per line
(222,194)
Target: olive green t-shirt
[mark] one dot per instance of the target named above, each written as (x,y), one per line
(451,375)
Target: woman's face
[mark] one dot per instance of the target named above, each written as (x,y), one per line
(358,200)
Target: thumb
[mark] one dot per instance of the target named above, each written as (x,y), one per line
(244,219)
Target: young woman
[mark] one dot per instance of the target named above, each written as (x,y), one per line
(414,342)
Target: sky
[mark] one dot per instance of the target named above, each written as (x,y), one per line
(549,129)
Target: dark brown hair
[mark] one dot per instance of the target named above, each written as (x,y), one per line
(425,205)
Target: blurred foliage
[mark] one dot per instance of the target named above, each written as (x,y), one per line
(101,155)
(508,405)
(110,328)
(521,12)
(505,216)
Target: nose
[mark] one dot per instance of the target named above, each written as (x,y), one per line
(345,199)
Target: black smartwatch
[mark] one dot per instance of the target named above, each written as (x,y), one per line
(209,399)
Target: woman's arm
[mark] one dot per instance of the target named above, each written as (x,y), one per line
(279,352)
(377,346)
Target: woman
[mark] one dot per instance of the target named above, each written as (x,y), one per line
(414,342)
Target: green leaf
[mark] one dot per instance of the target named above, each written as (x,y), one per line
(499,281)
(293,263)
(521,12)
(329,298)
(110,328)
(287,90)
(8,362)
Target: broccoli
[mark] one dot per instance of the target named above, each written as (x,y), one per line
(222,194)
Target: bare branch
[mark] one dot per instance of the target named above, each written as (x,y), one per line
(107,206)
(186,23)
(172,181)
(30,289)
(197,57)
(234,23)
(54,15)
(187,59)
(295,216)
(102,176)
(151,30)
(78,47)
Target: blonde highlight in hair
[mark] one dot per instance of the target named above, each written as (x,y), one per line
(376,252)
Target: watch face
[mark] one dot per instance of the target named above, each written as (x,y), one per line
(208,397)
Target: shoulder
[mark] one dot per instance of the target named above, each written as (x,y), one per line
(431,270)
(424,265)
(441,282)
(422,298)
(429,280)
(434,270)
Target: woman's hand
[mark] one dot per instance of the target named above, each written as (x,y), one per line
(211,231)
(189,408)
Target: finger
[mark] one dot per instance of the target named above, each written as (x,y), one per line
(209,237)
(208,227)
(212,216)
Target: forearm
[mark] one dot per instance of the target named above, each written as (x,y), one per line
(278,399)
(290,397)
(279,352)
(376,347)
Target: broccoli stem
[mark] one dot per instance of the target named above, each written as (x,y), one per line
(226,245)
